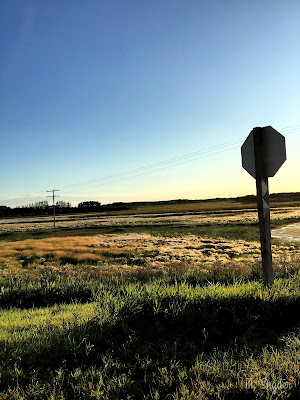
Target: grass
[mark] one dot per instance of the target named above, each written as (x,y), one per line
(246,231)
(200,207)
(137,254)
(188,207)
(151,340)
(230,230)
(86,318)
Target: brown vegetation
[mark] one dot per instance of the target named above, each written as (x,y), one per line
(119,254)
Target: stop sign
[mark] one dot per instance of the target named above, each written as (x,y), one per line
(265,146)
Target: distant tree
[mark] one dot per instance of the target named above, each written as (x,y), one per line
(89,205)
(41,205)
(63,204)
(4,211)
(116,207)
(38,205)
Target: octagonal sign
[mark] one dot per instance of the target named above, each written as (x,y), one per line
(271,152)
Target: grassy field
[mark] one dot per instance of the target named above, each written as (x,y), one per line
(200,207)
(230,231)
(165,311)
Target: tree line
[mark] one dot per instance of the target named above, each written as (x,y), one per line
(61,207)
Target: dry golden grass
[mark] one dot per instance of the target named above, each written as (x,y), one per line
(182,208)
(123,254)
(52,245)
(76,249)
(195,207)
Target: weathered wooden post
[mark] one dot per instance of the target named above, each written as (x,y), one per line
(263,153)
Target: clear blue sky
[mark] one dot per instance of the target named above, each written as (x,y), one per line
(89,89)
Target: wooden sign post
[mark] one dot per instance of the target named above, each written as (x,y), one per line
(263,153)
(263,207)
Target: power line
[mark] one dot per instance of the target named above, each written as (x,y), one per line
(172,162)
(166,162)
(289,127)
(154,170)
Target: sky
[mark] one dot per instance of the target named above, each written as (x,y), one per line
(114,100)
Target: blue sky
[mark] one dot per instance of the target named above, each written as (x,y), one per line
(91,89)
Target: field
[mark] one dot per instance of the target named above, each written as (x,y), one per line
(152,306)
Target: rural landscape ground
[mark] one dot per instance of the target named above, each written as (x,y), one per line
(163,303)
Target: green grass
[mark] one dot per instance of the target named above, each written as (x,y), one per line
(166,336)
(149,340)
(246,231)
(215,333)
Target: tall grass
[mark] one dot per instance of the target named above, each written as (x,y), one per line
(153,340)
(112,327)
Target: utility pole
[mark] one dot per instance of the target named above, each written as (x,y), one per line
(53,196)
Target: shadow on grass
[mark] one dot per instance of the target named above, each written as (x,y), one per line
(172,331)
